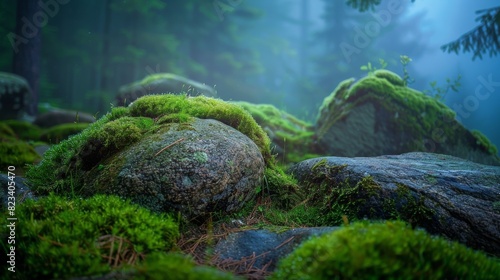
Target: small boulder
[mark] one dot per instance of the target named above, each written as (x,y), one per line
(445,195)
(196,168)
(14,96)
(162,83)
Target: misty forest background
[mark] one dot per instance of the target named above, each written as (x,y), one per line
(282,52)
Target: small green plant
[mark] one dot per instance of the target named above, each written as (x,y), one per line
(439,92)
(405,60)
(388,250)
(371,69)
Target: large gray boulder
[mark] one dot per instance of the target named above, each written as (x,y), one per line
(162,83)
(445,195)
(14,96)
(196,168)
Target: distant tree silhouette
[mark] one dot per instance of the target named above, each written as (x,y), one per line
(480,40)
(26,59)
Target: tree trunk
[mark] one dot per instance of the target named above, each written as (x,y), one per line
(26,60)
(104,71)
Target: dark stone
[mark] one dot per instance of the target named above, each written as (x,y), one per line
(264,246)
(14,96)
(457,198)
(58,117)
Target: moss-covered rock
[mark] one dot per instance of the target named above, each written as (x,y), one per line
(161,83)
(68,165)
(378,115)
(291,137)
(58,238)
(389,250)
(14,95)
(17,153)
(197,168)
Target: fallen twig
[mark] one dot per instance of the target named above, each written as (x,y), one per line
(176,142)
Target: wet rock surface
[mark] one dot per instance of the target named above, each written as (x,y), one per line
(449,196)
(263,247)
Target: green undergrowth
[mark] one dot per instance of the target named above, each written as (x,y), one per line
(57,238)
(388,250)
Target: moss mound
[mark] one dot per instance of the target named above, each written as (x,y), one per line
(389,250)
(17,153)
(6,132)
(203,107)
(58,238)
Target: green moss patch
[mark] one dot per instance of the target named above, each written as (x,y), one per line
(24,130)
(17,153)
(389,250)
(6,132)
(58,238)
(484,142)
